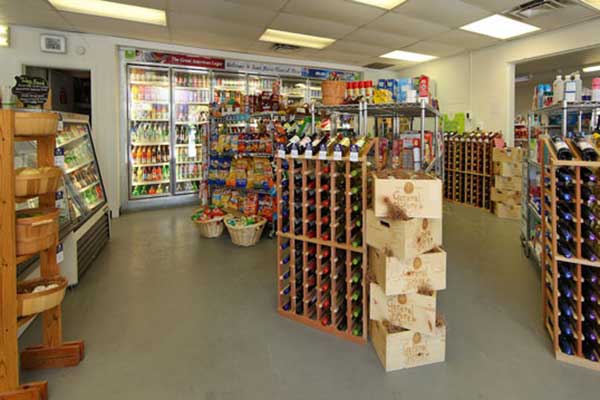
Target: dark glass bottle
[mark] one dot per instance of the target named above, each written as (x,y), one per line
(563,151)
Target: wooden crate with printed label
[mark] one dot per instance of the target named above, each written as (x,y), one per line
(418,195)
(514,183)
(414,311)
(507,211)
(508,169)
(400,348)
(510,197)
(398,276)
(508,154)
(403,239)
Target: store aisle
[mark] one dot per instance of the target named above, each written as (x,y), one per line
(167,315)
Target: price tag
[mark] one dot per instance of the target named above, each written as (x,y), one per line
(308,153)
(59,157)
(354,153)
(60,126)
(60,199)
(294,151)
(337,152)
(192,143)
(281,151)
(60,255)
(323,152)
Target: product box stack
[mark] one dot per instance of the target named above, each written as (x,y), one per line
(508,182)
(407,267)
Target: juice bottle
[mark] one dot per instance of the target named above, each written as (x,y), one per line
(149,154)
(142,156)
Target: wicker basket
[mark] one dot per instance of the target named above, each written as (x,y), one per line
(211,229)
(36,123)
(245,236)
(333,92)
(45,181)
(29,303)
(37,232)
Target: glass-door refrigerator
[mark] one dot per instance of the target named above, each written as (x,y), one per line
(294,91)
(191,99)
(149,131)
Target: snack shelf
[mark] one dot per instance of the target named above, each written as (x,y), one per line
(134,183)
(91,185)
(71,140)
(79,166)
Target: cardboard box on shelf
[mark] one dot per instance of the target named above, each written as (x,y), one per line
(509,197)
(403,239)
(508,169)
(403,276)
(414,311)
(507,211)
(507,154)
(505,183)
(401,348)
(418,194)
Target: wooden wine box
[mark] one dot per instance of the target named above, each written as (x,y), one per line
(398,276)
(508,154)
(508,169)
(399,348)
(510,197)
(414,311)
(419,196)
(403,239)
(507,211)
(505,183)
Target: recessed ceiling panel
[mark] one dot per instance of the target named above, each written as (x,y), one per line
(375,38)
(349,46)
(465,39)
(117,27)
(408,26)
(311,26)
(434,49)
(224,10)
(191,22)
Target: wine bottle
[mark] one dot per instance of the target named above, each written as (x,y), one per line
(567,289)
(586,150)
(564,175)
(588,253)
(325,286)
(326,304)
(287,306)
(285,245)
(563,151)
(357,330)
(591,352)
(566,307)
(342,325)
(566,345)
(563,212)
(565,270)
(566,326)
(590,313)
(589,275)
(326,319)
(564,249)
(590,332)
(590,293)
(356,311)
(587,175)
(564,231)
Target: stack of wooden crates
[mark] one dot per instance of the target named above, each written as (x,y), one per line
(407,268)
(508,182)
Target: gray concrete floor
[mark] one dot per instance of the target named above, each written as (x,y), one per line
(168,315)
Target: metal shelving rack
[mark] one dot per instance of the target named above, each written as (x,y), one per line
(531,166)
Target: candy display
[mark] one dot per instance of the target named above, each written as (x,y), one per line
(208,213)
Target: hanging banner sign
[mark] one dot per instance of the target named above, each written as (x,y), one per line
(174,59)
(263,68)
(329,74)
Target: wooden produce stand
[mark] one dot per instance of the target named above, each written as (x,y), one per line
(53,352)
(345,253)
(551,258)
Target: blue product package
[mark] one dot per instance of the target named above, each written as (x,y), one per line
(381,84)
(392,86)
(404,85)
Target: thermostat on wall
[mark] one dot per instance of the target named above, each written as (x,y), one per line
(53,43)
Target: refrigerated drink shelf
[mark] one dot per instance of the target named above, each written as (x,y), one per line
(133,183)
(151,164)
(189,180)
(75,168)
(71,140)
(83,189)
(146,83)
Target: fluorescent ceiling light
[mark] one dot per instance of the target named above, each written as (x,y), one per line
(4,34)
(592,68)
(387,4)
(295,39)
(111,9)
(408,56)
(499,27)
(592,3)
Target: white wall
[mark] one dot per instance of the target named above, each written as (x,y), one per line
(490,73)
(101,57)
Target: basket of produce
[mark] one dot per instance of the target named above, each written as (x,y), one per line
(209,221)
(36,230)
(31,182)
(36,123)
(40,294)
(333,92)
(245,231)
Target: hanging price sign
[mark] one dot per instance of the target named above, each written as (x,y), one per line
(281,151)
(294,151)
(60,255)
(308,153)
(337,152)
(59,157)
(354,153)
(323,152)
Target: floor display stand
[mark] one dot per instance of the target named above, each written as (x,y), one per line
(40,127)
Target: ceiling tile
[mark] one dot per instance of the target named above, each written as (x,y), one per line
(349,46)
(402,64)
(465,39)
(311,26)
(269,4)
(433,49)
(375,38)
(342,57)
(496,6)
(450,13)
(396,64)
(334,10)
(224,10)
(117,27)
(401,24)
(210,40)
(564,17)
(32,13)
(159,4)
(201,24)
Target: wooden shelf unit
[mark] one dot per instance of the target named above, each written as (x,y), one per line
(468,171)
(341,255)
(53,352)
(550,256)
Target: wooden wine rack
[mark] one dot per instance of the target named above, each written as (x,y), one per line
(550,260)
(468,171)
(344,252)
